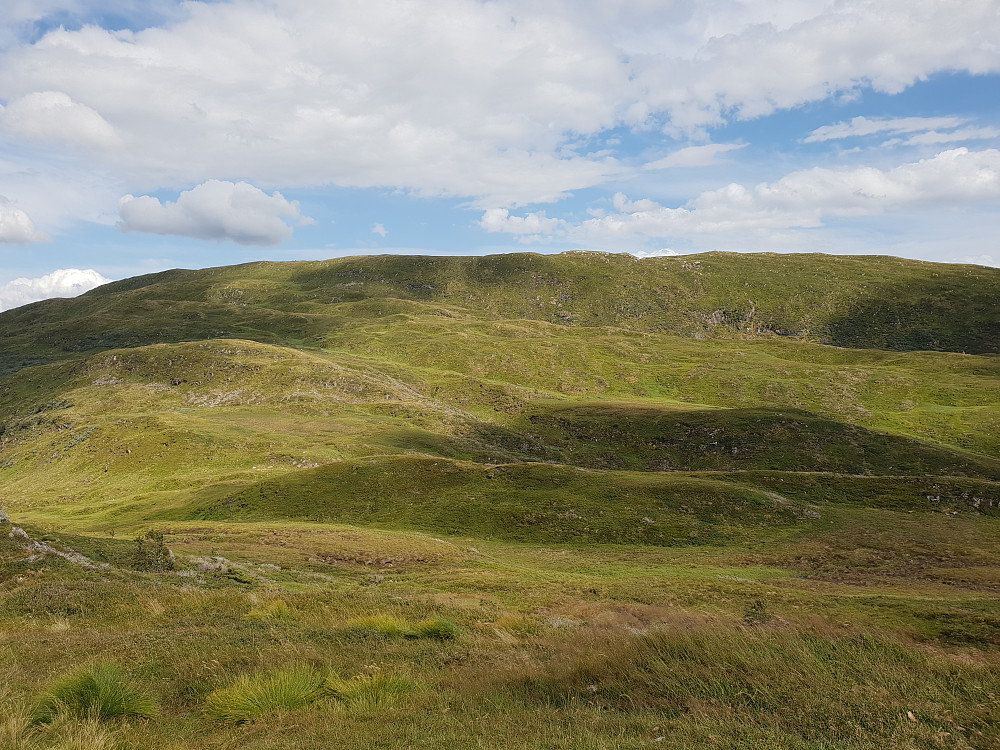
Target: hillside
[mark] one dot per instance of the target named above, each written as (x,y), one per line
(622,445)
(866,302)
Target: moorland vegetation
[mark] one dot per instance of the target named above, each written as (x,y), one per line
(570,501)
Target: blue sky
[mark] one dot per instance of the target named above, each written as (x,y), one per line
(137,136)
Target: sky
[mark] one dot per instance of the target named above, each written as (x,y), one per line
(140,135)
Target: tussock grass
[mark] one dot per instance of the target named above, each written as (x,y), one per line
(16,731)
(435,627)
(251,697)
(69,733)
(377,625)
(370,692)
(389,626)
(821,689)
(516,624)
(270,612)
(100,693)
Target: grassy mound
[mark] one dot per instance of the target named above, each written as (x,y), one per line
(646,437)
(520,501)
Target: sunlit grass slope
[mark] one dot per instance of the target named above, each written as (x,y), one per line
(573,501)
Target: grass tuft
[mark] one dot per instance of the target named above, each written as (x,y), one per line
(86,734)
(276,610)
(519,625)
(378,625)
(100,693)
(251,697)
(369,691)
(383,625)
(435,627)
(15,723)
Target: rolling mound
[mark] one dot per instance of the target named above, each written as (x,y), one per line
(305,390)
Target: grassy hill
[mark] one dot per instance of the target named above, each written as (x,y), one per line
(610,475)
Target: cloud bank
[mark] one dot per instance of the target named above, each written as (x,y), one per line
(800,200)
(66,282)
(214,210)
(457,97)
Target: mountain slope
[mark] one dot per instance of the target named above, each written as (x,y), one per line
(602,362)
(860,302)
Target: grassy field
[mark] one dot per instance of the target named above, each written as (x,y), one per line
(575,501)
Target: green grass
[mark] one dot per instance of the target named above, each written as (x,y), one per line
(383,625)
(252,697)
(370,692)
(578,501)
(436,627)
(798,686)
(101,692)
(378,625)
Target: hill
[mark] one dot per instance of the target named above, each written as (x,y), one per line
(607,474)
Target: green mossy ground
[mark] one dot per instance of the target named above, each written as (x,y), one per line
(726,501)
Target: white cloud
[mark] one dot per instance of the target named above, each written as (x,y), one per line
(828,48)
(456,97)
(801,199)
(500,220)
(862,126)
(66,282)
(982,260)
(54,116)
(214,210)
(379,230)
(934,137)
(954,178)
(663,252)
(694,156)
(16,226)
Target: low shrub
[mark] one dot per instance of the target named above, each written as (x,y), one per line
(151,553)
(757,613)
(101,693)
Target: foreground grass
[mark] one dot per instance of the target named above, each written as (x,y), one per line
(596,646)
(101,693)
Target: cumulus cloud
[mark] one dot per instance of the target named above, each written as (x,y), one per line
(500,220)
(54,116)
(16,226)
(458,97)
(379,230)
(66,282)
(663,252)
(214,210)
(800,200)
